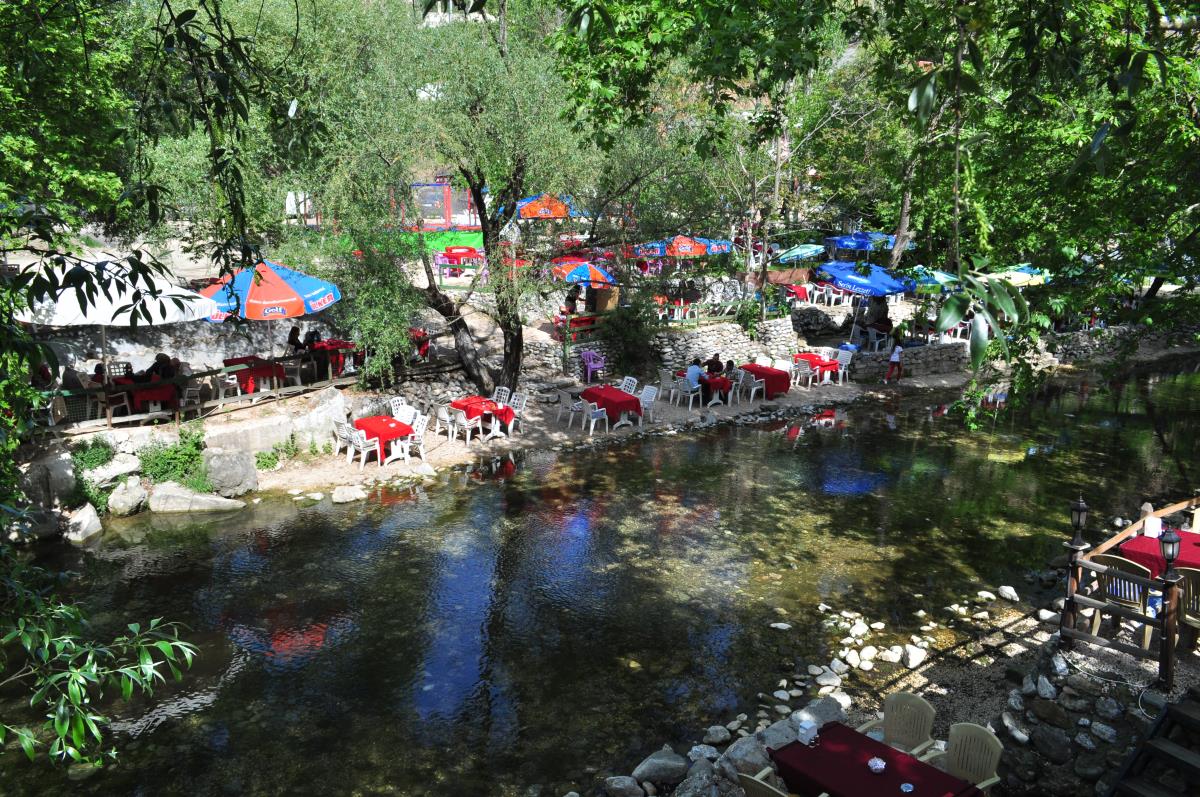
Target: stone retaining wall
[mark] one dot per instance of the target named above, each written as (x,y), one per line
(933,358)
(778,336)
(730,341)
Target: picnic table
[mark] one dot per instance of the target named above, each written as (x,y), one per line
(616,403)
(777,382)
(142,393)
(257,371)
(475,406)
(1147,552)
(823,368)
(383,429)
(336,350)
(716,383)
(837,765)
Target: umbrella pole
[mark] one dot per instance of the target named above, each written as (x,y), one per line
(104,353)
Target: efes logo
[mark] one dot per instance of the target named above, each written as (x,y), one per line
(324,301)
(275,310)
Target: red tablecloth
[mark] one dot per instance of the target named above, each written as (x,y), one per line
(256,369)
(838,766)
(1147,553)
(714,381)
(141,394)
(612,401)
(777,381)
(474,406)
(420,340)
(819,364)
(384,429)
(799,291)
(337,352)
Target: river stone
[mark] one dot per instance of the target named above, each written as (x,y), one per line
(703,751)
(781,694)
(868,653)
(892,655)
(1059,665)
(117,468)
(1073,701)
(1108,708)
(914,656)
(1015,701)
(815,670)
(1104,732)
(698,784)
(1053,743)
(1052,713)
(347,494)
(172,497)
(1089,767)
(840,667)
(1084,741)
(819,712)
(1008,593)
(747,755)
(34,525)
(984,595)
(622,786)
(852,658)
(717,734)
(83,524)
(779,733)
(830,679)
(231,473)
(859,629)
(1045,689)
(665,766)
(1017,733)
(50,478)
(127,497)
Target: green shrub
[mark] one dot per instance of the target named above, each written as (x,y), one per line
(312,448)
(747,316)
(181,462)
(627,331)
(288,449)
(92,453)
(266,460)
(87,491)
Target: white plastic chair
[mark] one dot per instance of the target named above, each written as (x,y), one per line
(782,365)
(396,402)
(567,402)
(685,390)
(752,385)
(403,446)
(668,384)
(876,341)
(972,753)
(517,402)
(467,425)
(224,384)
(907,723)
(404,413)
(341,437)
(628,385)
(763,360)
(844,359)
(593,413)
(802,372)
(647,398)
(360,444)
(500,395)
(444,420)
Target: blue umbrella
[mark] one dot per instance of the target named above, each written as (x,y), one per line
(276,292)
(716,246)
(865,242)
(876,282)
(587,273)
(930,280)
(801,252)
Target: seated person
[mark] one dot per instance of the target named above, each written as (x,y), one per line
(1151,525)
(312,337)
(98,373)
(41,377)
(295,345)
(181,368)
(714,364)
(161,368)
(695,378)
(730,367)
(571,302)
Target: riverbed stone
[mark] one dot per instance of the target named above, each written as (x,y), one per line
(1053,743)
(173,497)
(914,656)
(83,524)
(1050,712)
(830,679)
(717,734)
(1073,701)
(1045,689)
(34,525)
(892,655)
(622,786)
(840,667)
(231,473)
(746,755)
(120,466)
(50,478)
(777,734)
(820,712)
(705,751)
(127,497)
(1008,593)
(1018,734)
(1085,741)
(1108,708)
(348,493)
(662,767)
(1104,732)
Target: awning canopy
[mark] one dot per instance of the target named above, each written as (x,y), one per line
(801,252)
(548,206)
(875,281)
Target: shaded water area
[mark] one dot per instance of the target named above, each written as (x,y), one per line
(541,624)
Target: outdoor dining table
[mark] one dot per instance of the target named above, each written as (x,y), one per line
(1147,552)
(420,341)
(823,368)
(337,353)
(777,381)
(717,384)
(143,393)
(475,406)
(616,403)
(383,429)
(257,370)
(837,766)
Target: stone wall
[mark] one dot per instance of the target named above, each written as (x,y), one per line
(676,347)
(933,358)
(778,336)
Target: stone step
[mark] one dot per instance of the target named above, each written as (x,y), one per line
(1141,787)
(1184,761)
(1186,714)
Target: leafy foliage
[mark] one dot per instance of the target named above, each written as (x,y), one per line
(266,460)
(92,453)
(181,462)
(627,331)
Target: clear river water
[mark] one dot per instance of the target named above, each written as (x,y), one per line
(554,620)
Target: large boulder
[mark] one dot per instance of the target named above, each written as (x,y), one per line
(50,478)
(663,767)
(83,524)
(622,786)
(348,493)
(33,525)
(127,497)
(819,712)
(231,473)
(747,755)
(117,468)
(172,497)
(316,426)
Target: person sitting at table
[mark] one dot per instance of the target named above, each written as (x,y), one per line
(312,337)
(571,302)
(161,367)
(714,365)
(98,373)
(181,368)
(1151,525)
(295,345)
(730,367)
(694,376)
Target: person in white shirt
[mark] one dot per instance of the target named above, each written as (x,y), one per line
(1151,525)
(894,366)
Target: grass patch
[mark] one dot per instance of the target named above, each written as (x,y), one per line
(91,454)
(181,462)
(266,460)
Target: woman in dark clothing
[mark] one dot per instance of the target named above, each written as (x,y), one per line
(294,343)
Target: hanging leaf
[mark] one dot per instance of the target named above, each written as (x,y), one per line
(953,311)
(979,340)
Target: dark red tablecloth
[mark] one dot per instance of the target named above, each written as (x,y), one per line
(420,340)
(141,394)
(838,766)
(714,381)
(799,291)
(474,406)
(384,429)
(777,381)
(1147,553)
(819,364)
(257,369)
(612,401)
(337,352)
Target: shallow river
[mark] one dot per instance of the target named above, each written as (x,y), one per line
(548,620)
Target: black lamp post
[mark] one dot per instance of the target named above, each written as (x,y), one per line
(1079,513)
(1168,543)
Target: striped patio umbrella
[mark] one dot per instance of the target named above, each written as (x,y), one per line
(270,291)
(583,273)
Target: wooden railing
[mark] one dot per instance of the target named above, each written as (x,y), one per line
(1166,623)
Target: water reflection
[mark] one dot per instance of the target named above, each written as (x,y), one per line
(524,622)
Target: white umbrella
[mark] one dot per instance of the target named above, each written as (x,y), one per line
(115,299)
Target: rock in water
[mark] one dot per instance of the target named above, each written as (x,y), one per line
(347,494)
(914,656)
(117,468)
(747,755)
(231,473)
(663,767)
(127,498)
(622,786)
(717,734)
(83,524)
(1008,593)
(172,497)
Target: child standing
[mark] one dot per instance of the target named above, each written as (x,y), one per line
(894,366)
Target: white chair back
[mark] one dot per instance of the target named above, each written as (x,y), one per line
(782,365)
(629,385)
(500,395)
(518,401)
(649,395)
(419,424)
(763,360)
(396,402)
(405,414)
(844,358)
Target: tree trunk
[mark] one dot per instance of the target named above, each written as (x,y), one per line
(902,234)
(1155,285)
(464,343)
(506,286)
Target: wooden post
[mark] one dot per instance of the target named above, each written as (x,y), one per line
(1170,629)
(1070,612)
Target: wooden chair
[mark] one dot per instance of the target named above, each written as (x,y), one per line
(757,786)
(907,723)
(972,753)
(1189,603)
(1121,591)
